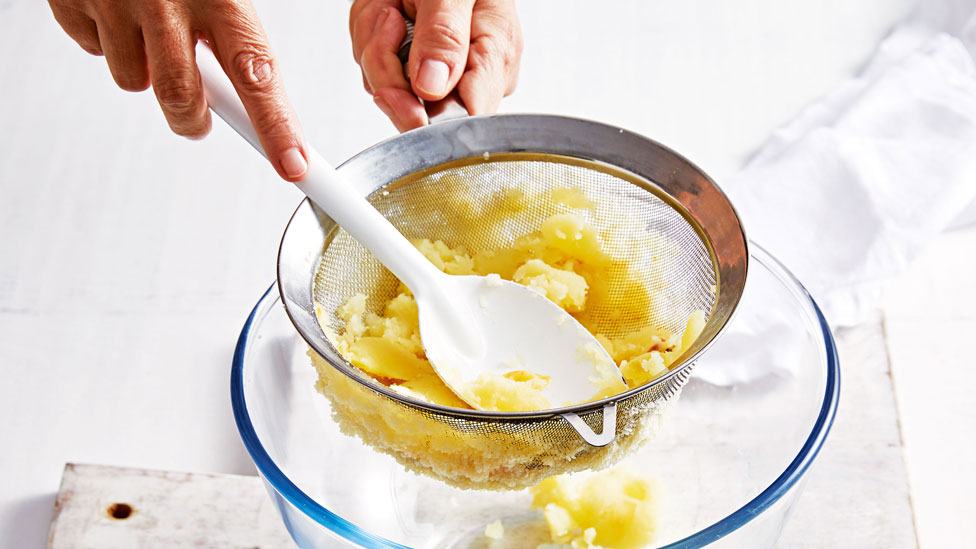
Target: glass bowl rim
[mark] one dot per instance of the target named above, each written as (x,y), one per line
(738,518)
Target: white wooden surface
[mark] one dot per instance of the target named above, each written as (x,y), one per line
(162,509)
(930,319)
(129,257)
(857,493)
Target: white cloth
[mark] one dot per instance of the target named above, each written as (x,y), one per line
(850,192)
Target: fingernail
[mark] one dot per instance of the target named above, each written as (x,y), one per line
(432,77)
(293,163)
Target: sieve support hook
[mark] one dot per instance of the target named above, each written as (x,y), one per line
(588,435)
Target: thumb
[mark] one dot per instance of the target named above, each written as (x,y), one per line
(439,53)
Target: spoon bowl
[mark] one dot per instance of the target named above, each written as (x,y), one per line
(506,328)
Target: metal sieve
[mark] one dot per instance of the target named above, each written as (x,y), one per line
(664,222)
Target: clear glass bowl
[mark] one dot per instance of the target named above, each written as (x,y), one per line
(728,462)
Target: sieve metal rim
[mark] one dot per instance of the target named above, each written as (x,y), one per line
(468,139)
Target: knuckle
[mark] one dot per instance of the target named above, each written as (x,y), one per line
(158,10)
(256,68)
(226,10)
(490,54)
(506,46)
(277,127)
(446,35)
(497,62)
(504,30)
(178,93)
(509,38)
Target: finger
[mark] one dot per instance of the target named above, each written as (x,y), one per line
(402,107)
(379,59)
(125,54)
(78,26)
(175,79)
(384,71)
(363,18)
(246,57)
(493,61)
(481,89)
(442,33)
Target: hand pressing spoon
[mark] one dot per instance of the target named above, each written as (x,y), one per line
(469,325)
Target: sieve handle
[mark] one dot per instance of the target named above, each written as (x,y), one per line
(608,433)
(325,187)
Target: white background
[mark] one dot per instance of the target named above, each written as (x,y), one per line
(130,257)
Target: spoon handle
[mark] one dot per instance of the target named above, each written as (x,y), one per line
(325,187)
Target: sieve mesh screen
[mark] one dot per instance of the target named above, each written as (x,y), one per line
(485,204)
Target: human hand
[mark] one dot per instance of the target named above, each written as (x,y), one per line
(473,45)
(153,41)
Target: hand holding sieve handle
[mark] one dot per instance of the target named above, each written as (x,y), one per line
(451,106)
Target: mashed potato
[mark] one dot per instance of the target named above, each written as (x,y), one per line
(615,508)
(567,260)
(558,261)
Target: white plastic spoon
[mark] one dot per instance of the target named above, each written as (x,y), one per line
(469,325)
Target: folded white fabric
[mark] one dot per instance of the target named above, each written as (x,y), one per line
(852,190)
